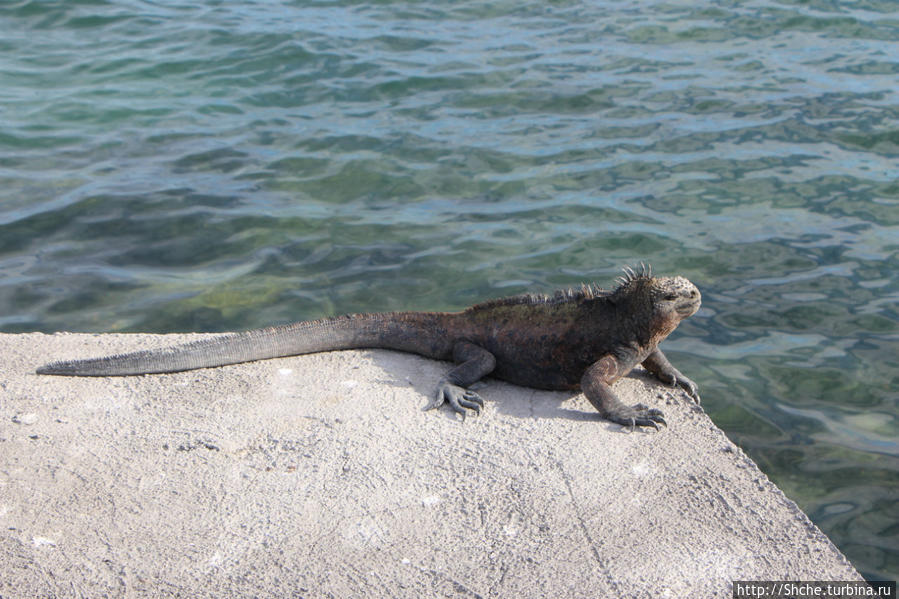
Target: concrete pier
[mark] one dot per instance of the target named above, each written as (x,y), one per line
(321,476)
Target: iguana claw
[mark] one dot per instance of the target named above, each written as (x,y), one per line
(689,387)
(679,380)
(458,397)
(638,415)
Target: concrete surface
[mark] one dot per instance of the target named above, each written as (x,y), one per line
(321,476)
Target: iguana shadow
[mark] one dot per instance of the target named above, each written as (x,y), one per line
(403,370)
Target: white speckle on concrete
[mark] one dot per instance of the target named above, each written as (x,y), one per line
(28,418)
(641,468)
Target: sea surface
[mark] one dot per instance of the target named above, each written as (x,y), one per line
(219,165)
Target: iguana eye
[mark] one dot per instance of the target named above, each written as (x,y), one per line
(670,297)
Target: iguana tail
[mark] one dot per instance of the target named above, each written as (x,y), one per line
(416,332)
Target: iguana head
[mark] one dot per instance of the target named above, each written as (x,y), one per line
(660,302)
(675,296)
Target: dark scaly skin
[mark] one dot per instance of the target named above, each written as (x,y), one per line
(584,339)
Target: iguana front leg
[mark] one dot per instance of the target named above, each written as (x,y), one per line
(596,385)
(474,363)
(658,364)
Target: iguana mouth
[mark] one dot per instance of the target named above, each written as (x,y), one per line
(688,307)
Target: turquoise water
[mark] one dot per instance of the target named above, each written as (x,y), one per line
(212,165)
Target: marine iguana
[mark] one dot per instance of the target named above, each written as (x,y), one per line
(584,339)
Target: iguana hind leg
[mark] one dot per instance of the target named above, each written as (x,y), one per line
(596,385)
(474,362)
